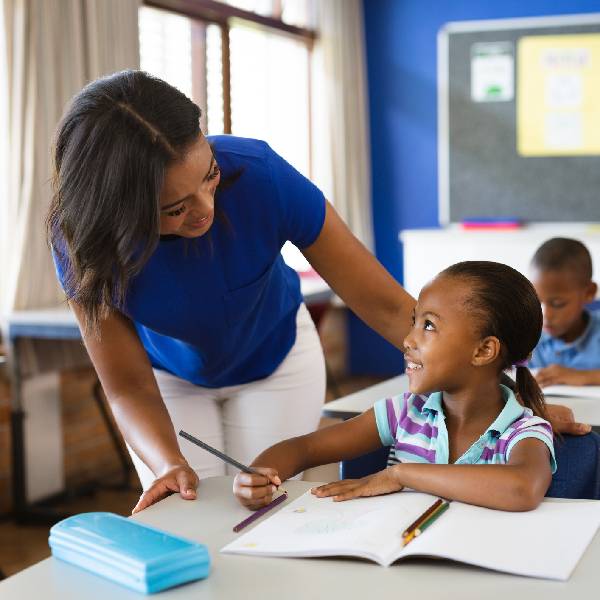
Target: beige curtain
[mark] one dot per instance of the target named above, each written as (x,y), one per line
(341,51)
(50,50)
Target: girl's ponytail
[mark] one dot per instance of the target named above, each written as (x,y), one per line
(529,391)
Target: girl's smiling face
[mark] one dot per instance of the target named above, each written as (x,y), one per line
(444,343)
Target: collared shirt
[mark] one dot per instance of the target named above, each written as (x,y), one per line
(582,354)
(415,426)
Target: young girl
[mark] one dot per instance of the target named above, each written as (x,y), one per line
(472,440)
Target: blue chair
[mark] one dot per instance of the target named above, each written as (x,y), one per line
(577,458)
(578,472)
(364,465)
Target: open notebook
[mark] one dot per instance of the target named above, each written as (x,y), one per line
(546,542)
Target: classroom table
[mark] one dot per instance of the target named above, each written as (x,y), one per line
(586,410)
(60,324)
(209,520)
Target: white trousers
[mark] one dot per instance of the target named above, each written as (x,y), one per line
(243,420)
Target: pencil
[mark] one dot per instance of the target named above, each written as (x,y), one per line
(421,518)
(260,512)
(218,453)
(423,525)
(408,538)
(432,519)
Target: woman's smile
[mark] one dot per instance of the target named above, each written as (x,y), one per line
(201,223)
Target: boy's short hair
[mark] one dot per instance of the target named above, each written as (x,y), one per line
(562,254)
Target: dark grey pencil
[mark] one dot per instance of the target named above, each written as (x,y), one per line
(218,453)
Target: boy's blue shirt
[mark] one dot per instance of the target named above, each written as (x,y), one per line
(220,310)
(582,354)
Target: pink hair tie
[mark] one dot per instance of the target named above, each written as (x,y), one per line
(521,363)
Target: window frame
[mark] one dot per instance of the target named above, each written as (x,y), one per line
(212,11)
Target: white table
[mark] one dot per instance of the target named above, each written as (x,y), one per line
(55,324)
(586,410)
(209,520)
(358,402)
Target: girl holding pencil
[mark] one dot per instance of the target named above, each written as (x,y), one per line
(459,433)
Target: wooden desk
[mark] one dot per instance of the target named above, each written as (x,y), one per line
(586,410)
(209,520)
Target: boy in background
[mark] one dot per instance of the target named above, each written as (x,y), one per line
(569,349)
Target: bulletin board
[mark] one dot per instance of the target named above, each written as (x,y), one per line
(519,119)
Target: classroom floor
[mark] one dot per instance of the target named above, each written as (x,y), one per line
(24,545)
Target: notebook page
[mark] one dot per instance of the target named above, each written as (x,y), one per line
(366,527)
(546,542)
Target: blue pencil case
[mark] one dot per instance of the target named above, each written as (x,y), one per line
(140,557)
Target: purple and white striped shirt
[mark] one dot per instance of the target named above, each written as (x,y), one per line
(415,427)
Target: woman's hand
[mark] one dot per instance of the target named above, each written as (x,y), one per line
(563,421)
(254,491)
(179,478)
(384,482)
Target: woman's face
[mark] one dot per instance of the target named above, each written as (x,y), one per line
(187,199)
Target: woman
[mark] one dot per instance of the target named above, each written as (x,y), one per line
(168,247)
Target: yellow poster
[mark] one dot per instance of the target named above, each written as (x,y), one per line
(558,95)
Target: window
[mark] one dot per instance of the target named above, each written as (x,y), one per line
(246,63)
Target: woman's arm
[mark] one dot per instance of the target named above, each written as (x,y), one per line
(517,486)
(342,441)
(138,408)
(360,280)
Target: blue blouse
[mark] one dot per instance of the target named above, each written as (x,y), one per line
(220,310)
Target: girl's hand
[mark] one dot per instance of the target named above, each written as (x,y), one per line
(255,491)
(179,478)
(384,482)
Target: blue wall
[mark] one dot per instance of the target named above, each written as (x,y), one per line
(402,62)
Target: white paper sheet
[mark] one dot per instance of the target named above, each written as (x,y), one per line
(492,72)
(311,526)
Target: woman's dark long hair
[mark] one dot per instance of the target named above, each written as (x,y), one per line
(505,305)
(111,150)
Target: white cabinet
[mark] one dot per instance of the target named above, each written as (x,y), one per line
(428,251)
